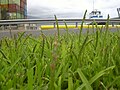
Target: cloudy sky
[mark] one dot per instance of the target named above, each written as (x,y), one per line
(71,8)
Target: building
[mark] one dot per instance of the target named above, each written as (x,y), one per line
(13,9)
(95,14)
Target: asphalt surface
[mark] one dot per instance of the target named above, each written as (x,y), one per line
(36,33)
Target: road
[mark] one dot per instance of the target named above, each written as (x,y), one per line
(36,33)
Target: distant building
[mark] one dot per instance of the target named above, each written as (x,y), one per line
(13,9)
(95,14)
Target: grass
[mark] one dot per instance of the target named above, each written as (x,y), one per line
(87,61)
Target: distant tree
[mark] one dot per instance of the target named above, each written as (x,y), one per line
(4,14)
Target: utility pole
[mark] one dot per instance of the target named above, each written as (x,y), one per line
(118,10)
(93,5)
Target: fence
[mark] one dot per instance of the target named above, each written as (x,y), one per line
(35,23)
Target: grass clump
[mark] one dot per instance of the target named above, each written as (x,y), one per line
(61,62)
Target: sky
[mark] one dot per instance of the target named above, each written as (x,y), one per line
(71,8)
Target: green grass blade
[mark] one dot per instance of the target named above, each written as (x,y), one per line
(70,83)
(43,45)
(4,56)
(84,80)
(101,73)
(57,26)
(21,35)
(113,82)
(13,65)
(59,83)
(83,45)
(30,79)
(82,25)
(66,27)
(94,78)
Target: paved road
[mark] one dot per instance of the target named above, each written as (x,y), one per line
(36,33)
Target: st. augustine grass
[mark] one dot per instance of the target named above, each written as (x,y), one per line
(89,61)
